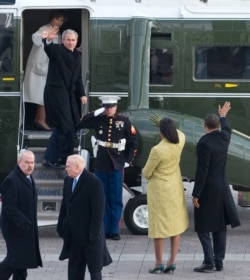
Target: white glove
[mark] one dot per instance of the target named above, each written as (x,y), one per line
(99,111)
(94,146)
(126,165)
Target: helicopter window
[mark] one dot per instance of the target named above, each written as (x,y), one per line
(7,2)
(161,66)
(6,43)
(222,63)
(162,36)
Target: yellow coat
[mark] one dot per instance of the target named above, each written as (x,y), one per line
(167,211)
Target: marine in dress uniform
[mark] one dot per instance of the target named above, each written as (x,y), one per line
(115,147)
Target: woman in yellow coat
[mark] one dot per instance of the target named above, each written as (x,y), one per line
(167,211)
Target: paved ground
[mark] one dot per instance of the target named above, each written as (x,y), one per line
(134,255)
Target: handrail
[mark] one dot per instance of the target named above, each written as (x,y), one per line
(84,109)
(20,139)
(241,134)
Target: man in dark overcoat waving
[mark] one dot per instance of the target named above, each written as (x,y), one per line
(63,95)
(19,220)
(80,222)
(212,197)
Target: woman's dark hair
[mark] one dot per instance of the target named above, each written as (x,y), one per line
(168,130)
(57,14)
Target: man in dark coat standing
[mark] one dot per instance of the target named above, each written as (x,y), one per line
(63,95)
(80,222)
(19,220)
(212,198)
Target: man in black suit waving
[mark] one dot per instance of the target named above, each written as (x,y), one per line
(214,207)
(80,222)
(63,95)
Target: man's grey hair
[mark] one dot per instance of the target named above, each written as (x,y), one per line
(22,153)
(78,160)
(69,31)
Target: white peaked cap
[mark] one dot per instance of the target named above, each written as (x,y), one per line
(109,100)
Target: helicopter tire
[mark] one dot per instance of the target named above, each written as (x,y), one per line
(136,215)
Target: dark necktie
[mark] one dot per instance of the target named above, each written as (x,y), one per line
(29,178)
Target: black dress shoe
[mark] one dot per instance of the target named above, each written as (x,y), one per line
(115,236)
(219,268)
(52,165)
(218,265)
(62,162)
(204,268)
(107,235)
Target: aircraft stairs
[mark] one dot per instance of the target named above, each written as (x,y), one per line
(49,182)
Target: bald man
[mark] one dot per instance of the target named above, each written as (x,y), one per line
(80,222)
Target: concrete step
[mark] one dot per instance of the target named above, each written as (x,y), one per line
(48,208)
(45,135)
(44,173)
(49,183)
(49,187)
(47,216)
(46,223)
(49,204)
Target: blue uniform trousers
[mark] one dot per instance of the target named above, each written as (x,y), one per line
(112,183)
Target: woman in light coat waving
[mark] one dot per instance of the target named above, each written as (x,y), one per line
(37,69)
